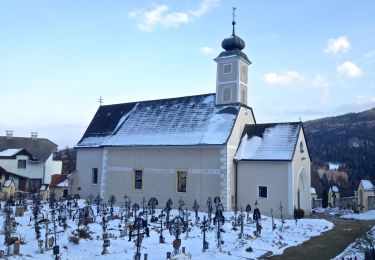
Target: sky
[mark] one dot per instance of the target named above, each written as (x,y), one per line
(310,59)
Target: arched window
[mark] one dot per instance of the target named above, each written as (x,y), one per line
(301,147)
(227,95)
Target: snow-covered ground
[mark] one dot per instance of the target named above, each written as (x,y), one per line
(275,241)
(369,215)
(357,248)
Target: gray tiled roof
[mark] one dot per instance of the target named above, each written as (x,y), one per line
(276,141)
(193,120)
(40,148)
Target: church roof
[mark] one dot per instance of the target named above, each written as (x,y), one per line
(192,120)
(268,142)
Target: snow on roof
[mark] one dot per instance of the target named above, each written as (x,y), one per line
(7,183)
(44,187)
(333,166)
(312,190)
(268,141)
(367,185)
(334,188)
(63,184)
(10,152)
(190,120)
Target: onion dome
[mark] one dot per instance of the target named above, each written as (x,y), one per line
(234,42)
(233,46)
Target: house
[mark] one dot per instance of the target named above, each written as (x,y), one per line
(59,185)
(333,195)
(17,179)
(29,157)
(195,147)
(8,188)
(44,192)
(366,195)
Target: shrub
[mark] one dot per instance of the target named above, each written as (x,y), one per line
(299,213)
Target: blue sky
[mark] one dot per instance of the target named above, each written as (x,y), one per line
(311,59)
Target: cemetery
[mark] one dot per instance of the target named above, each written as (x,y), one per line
(73,228)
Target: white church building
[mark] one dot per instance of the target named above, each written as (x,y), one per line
(196,147)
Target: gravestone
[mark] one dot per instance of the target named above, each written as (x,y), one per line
(16,248)
(19,211)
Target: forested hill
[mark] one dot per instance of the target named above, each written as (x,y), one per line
(347,139)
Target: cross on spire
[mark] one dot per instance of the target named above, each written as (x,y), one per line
(101,101)
(233,21)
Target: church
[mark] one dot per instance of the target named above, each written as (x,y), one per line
(196,147)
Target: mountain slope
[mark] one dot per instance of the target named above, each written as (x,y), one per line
(348,139)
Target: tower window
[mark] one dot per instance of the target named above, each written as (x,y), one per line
(227,68)
(301,148)
(227,95)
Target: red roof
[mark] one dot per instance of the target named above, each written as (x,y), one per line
(57,178)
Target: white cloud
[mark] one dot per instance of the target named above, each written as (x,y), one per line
(340,44)
(206,50)
(349,69)
(370,54)
(320,81)
(286,79)
(162,16)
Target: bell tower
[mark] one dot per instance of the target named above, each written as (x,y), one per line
(232,70)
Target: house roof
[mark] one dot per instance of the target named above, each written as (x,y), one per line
(367,185)
(192,120)
(44,187)
(7,183)
(12,153)
(334,188)
(40,148)
(56,179)
(269,142)
(3,171)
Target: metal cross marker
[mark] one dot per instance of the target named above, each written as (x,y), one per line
(141,226)
(161,237)
(181,203)
(204,229)
(273,223)
(248,210)
(195,208)
(281,213)
(219,220)
(101,101)
(176,228)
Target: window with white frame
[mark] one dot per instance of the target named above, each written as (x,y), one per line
(21,164)
(181,181)
(262,192)
(138,178)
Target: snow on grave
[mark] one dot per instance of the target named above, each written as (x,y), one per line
(120,248)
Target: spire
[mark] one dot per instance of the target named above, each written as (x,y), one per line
(233,21)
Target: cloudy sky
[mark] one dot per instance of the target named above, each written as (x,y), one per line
(311,59)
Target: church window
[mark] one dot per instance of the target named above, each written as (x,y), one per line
(262,191)
(21,164)
(181,181)
(94,173)
(138,176)
(301,147)
(227,68)
(227,94)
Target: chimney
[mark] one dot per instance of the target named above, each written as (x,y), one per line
(34,135)
(9,134)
